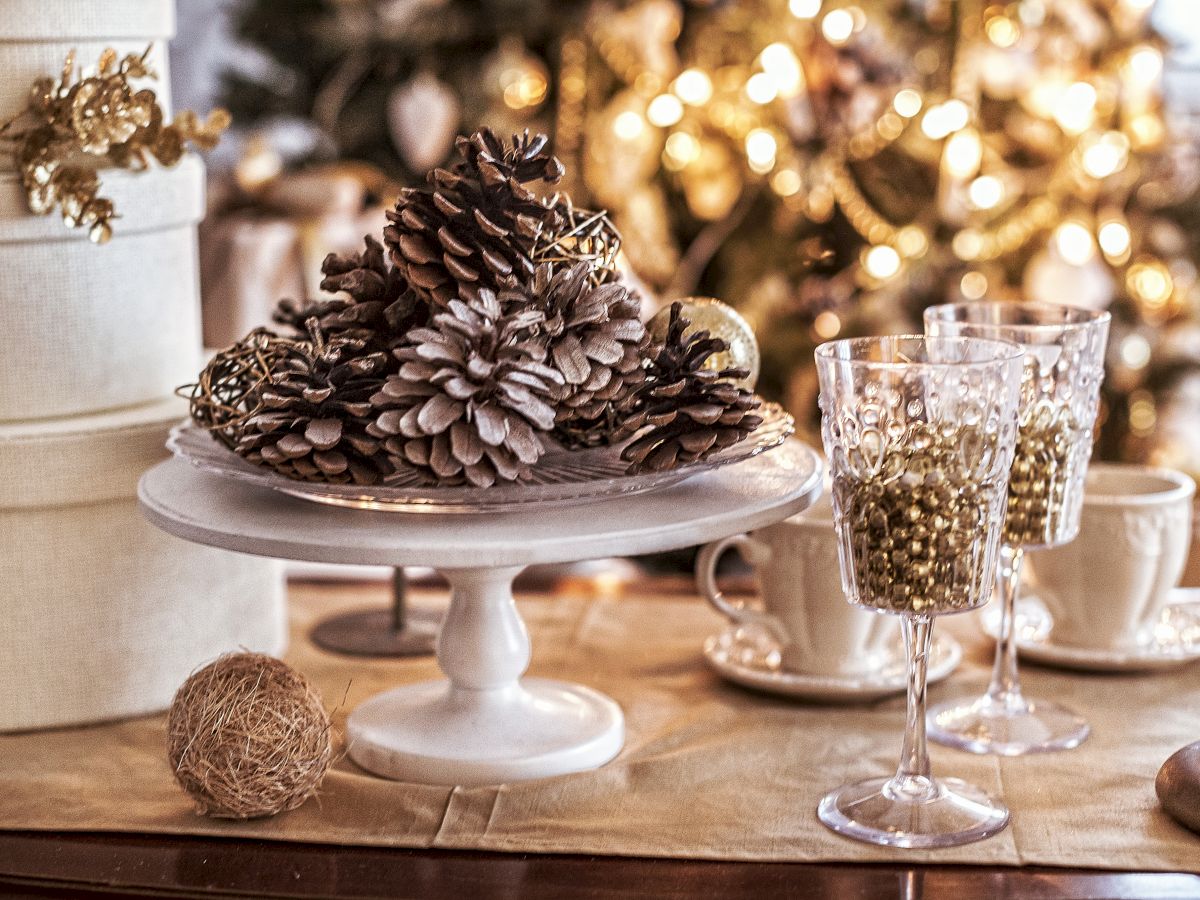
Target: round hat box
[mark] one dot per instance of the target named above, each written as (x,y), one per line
(105,615)
(89,328)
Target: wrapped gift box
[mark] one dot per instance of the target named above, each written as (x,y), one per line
(104,616)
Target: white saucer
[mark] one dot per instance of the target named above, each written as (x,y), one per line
(1174,642)
(749,656)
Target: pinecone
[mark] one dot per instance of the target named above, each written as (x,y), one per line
(477,225)
(380,309)
(313,418)
(471,395)
(692,412)
(596,338)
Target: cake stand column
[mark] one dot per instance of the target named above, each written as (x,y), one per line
(484,724)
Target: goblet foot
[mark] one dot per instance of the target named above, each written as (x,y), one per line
(1006,728)
(913,812)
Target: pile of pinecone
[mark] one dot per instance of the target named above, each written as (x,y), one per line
(485,324)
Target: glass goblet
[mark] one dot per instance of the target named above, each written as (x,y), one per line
(919,432)
(1060,392)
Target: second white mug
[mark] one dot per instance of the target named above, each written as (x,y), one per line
(1107,588)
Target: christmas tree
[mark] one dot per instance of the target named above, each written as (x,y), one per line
(830,168)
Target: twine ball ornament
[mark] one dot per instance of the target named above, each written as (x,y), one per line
(248,736)
(721,321)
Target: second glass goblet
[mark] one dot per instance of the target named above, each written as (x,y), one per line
(1060,391)
(919,432)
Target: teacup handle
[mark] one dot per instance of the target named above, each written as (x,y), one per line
(754,552)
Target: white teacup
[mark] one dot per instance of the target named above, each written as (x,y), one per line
(796,565)
(1107,588)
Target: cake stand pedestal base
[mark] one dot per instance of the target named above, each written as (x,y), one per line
(434,733)
(484,724)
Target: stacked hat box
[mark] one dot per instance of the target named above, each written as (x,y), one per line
(104,616)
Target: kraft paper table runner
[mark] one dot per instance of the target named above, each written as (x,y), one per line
(709,770)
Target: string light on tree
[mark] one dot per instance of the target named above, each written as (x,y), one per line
(761,148)
(664,110)
(945,119)
(967,244)
(693,87)
(827,325)
(1003,31)
(786,182)
(1143,414)
(761,88)
(1114,241)
(1105,155)
(907,102)
(1074,243)
(1144,67)
(680,150)
(974,285)
(1075,109)
(1150,284)
(523,78)
(628,126)
(881,262)
(986,192)
(837,26)
(912,242)
(781,66)
(1135,351)
(964,152)
(804,9)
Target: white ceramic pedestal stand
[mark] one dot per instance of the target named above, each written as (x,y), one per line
(484,724)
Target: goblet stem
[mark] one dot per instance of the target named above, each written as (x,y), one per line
(1005,687)
(912,780)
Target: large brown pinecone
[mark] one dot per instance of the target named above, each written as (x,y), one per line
(379,310)
(596,337)
(477,224)
(472,396)
(692,412)
(313,418)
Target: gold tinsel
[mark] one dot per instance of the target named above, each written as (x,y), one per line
(73,126)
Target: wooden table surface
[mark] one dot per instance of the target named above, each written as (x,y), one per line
(54,864)
(61,865)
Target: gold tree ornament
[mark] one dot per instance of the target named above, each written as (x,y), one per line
(75,126)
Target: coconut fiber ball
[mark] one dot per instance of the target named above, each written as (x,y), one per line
(248,736)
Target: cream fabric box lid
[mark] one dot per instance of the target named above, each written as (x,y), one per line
(83,459)
(145,201)
(61,20)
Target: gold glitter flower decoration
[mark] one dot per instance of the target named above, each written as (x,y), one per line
(75,126)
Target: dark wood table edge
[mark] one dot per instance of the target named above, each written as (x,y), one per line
(78,864)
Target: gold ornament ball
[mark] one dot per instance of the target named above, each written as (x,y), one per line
(722,321)
(248,736)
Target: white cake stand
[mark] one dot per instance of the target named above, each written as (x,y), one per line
(483,724)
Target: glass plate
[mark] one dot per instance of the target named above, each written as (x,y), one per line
(560,477)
